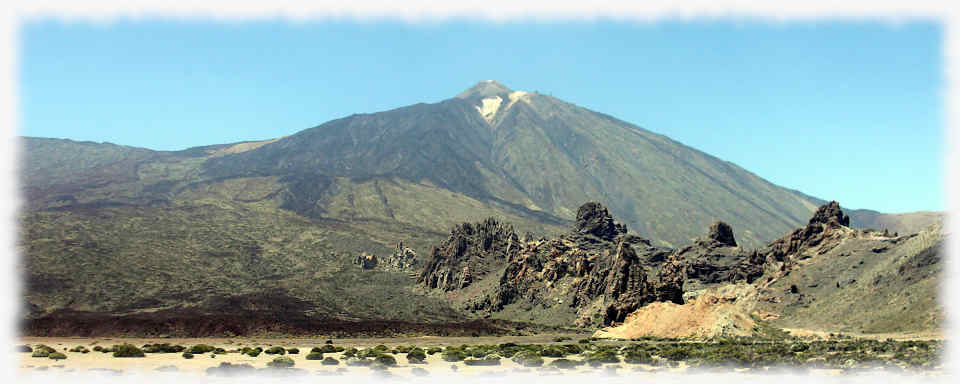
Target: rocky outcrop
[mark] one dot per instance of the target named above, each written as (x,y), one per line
(403,259)
(721,233)
(594,219)
(471,251)
(596,273)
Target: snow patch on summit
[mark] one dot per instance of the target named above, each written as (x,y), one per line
(489,107)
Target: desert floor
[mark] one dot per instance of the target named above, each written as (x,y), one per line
(99,363)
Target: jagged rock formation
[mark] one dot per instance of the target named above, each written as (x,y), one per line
(403,259)
(595,274)
(715,259)
(593,219)
(470,251)
(823,276)
(721,232)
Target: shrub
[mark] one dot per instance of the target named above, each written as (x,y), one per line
(293,351)
(24,348)
(253,352)
(637,356)
(452,354)
(528,359)
(42,351)
(350,352)
(488,360)
(80,349)
(433,350)
(200,349)
(219,351)
(330,361)
(564,364)
(281,362)
(98,348)
(275,351)
(127,350)
(163,348)
(187,355)
(601,357)
(328,342)
(572,349)
(416,356)
(561,339)
(314,356)
(387,360)
(553,351)
(57,356)
(358,362)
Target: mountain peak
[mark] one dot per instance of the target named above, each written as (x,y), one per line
(484,88)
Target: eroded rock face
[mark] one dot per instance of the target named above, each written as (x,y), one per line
(595,273)
(721,232)
(715,259)
(470,251)
(594,219)
(830,214)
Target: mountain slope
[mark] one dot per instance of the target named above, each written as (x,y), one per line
(532,154)
(119,231)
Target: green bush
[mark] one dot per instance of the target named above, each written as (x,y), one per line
(293,351)
(637,356)
(281,362)
(127,350)
(275,351)
(553,351)
(24,348)
(528,359)
(98,348)
(314,356)
(219,351)
(330,361)
(163,348)
(387,360)
(488,360)
(433,350)
(187,355)
(416,356)
(561,339)
(80,349)
(57,356)
(369,352)
(350,352)
(601,357)
(358,362)
(42,351)
(565,364)
(452,354)
(200,349)
(253,352)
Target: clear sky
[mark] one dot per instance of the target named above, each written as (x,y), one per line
(841,110)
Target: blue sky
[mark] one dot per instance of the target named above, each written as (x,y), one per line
(842,110)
